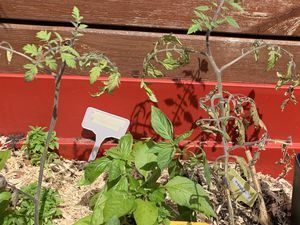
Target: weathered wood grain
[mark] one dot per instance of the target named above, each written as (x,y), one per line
(279,17)
(127,49)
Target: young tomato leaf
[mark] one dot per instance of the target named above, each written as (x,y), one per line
(146,212)
(232,22)
(185,192)
(94,170)
(161,124)
(43,35)
(194,28)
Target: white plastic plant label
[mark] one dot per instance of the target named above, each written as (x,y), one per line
(104,125)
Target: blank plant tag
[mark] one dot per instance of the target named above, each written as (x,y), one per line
(103,125)
(240,188)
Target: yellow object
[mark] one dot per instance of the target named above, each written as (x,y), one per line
(187,223)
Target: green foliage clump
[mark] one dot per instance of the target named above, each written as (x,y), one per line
(24,211)
(35,145)
(142,177)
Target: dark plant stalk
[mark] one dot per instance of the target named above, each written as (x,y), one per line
(49,134)
(221,126)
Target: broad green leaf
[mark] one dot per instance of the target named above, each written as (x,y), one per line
(122,184)
(4,155)
(84,221)
(118,204)
(113,221)
(98,214)
(158,195)
(146,212)
(116,169)
(232,22)
(43,35)
(166,152)
(143,158)
(183,136)
(161,124)
(125,146)
(94,74)
(186,193)
(4,200)
(94,170)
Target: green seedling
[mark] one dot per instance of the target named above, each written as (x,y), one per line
(34,145)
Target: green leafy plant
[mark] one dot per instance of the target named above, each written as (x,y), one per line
(24,212)
(144,181)
(53,55)
(230,116)
(35,143)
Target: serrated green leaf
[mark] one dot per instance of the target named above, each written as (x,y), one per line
(43,35)
(186,193)
(170,38)
(236,6)
(69,49)
(95,72)
(165,153)
(146,213)
(149,92)
(76,15)
(58,36)
(161,124)
(274,55)
(31,49)
(4,156)
(232,22)
(69,59)
(31,72)
(51,63)
(94,170)
(194,28)
(203,8)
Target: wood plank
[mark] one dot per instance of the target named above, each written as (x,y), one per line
(279,17)
(127,49)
